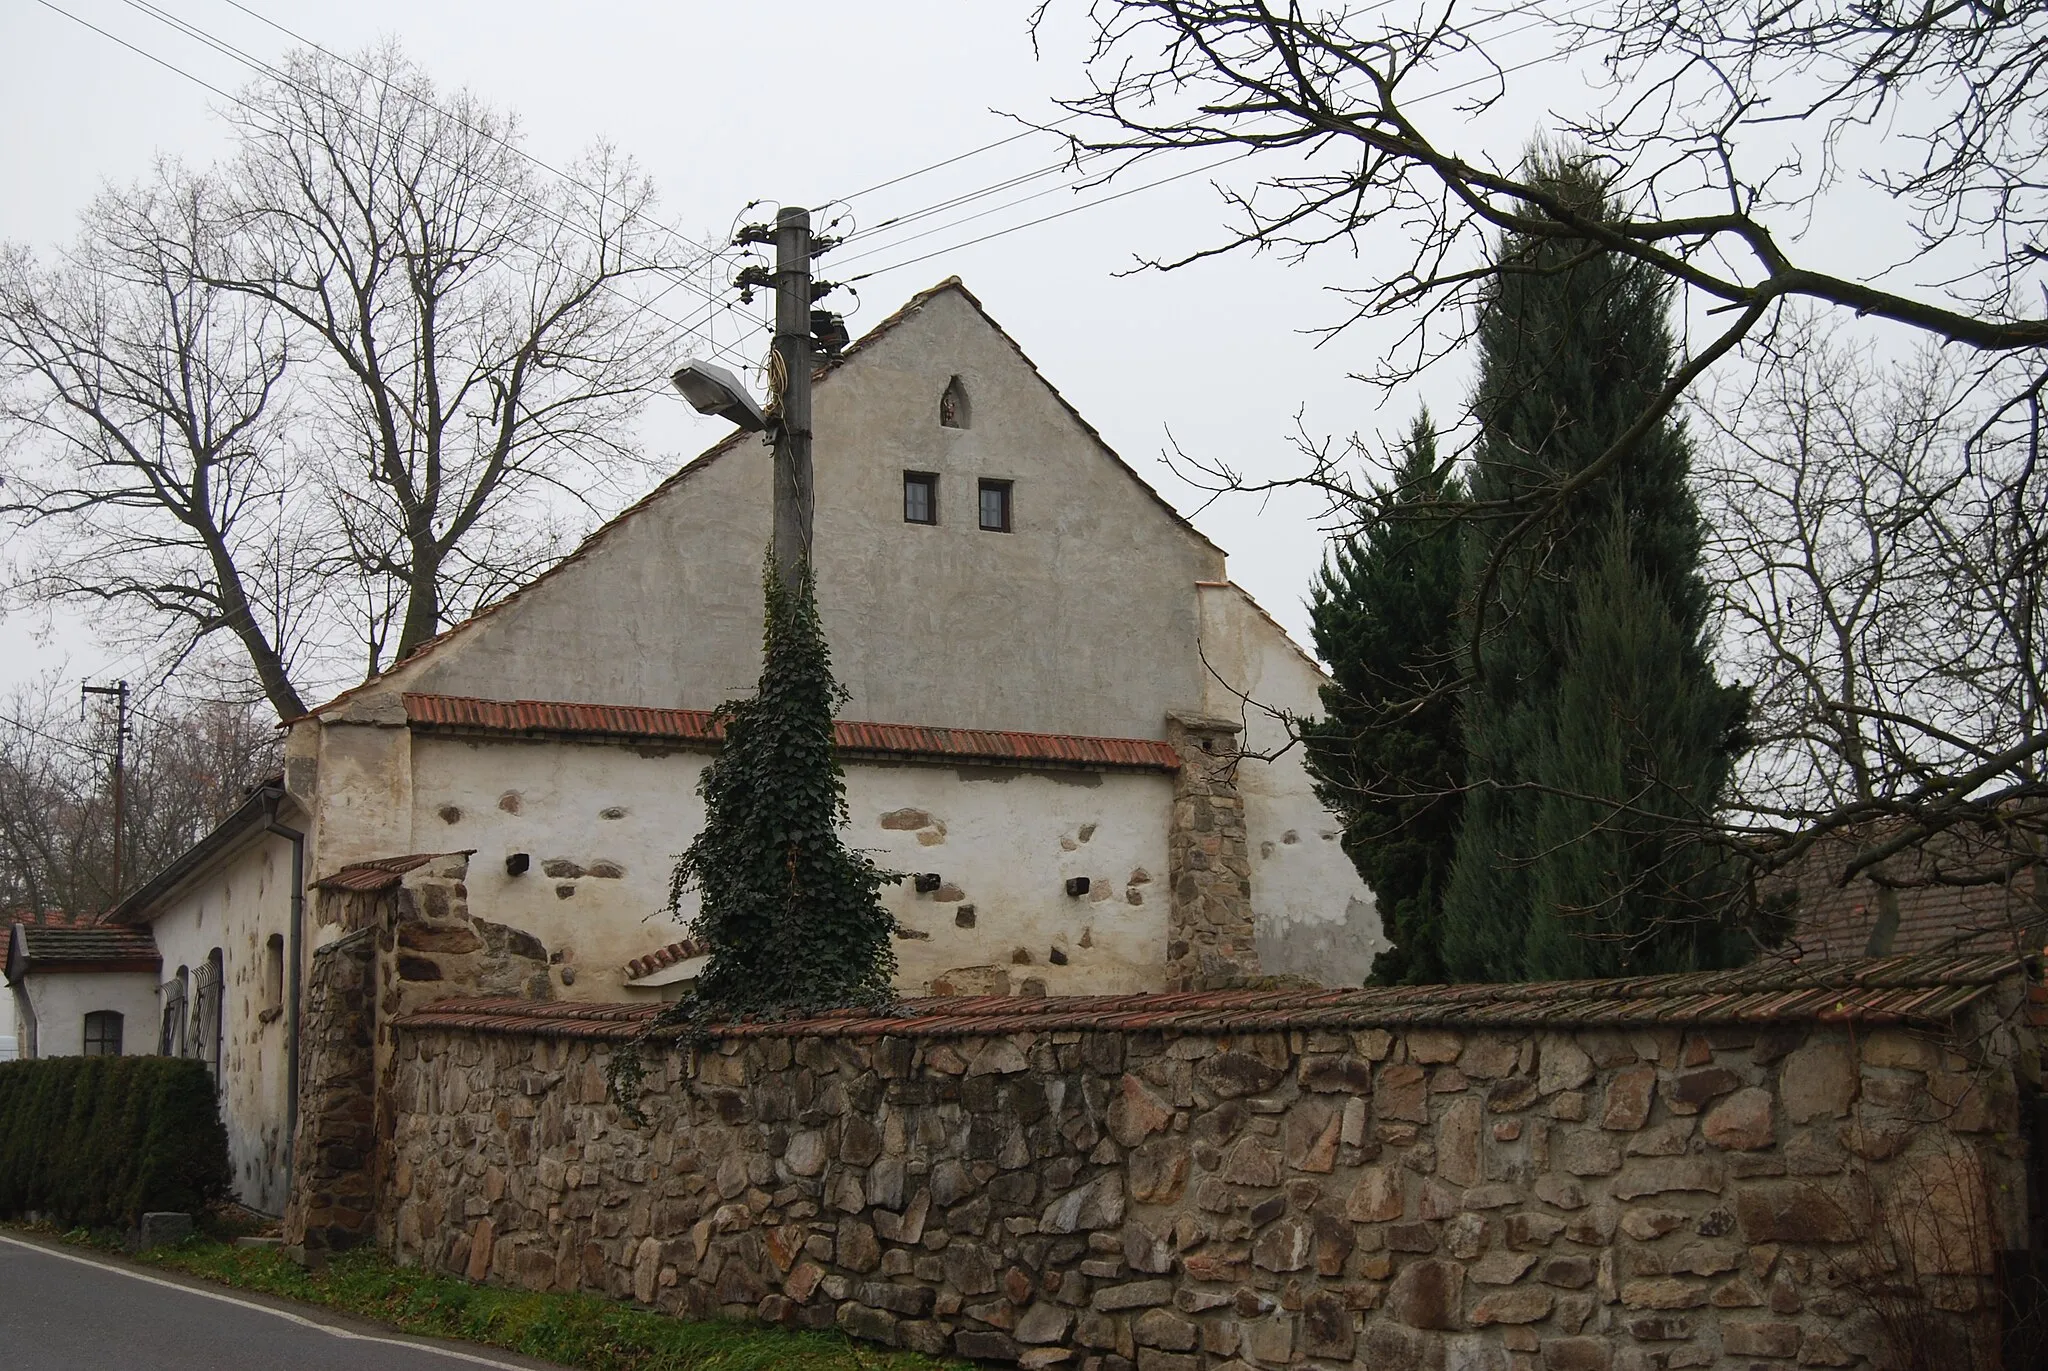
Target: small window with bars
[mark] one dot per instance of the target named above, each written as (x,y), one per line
(920,497)
(995,506)
(103,1033)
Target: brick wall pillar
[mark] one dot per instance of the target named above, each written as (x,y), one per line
(1209,930)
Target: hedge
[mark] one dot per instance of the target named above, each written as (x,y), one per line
(99,1141)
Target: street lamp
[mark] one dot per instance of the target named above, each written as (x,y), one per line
(711,389)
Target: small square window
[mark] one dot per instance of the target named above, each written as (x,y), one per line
(920,497)
(103,1033)
(995,506)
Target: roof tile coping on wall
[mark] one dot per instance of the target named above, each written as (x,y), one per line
(470,716)
(382,873)
(826,368)
(664,957)
(1929,990)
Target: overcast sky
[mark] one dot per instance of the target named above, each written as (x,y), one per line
(1221,355)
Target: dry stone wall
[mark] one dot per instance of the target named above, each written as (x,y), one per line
(1422,1199)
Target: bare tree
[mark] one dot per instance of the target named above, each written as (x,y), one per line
(190,763)
(1693,127)
(1880,555)
(339,391)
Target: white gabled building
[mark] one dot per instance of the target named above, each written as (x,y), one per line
(1051,681)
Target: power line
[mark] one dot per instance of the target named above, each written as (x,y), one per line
(1080,156)
(258,65)
(510,147)
(1439,93)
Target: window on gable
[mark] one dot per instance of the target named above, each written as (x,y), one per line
(103,1033)
(920,497)
(954,411)
(995,506)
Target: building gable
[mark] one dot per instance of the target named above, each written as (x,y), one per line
(1080,619)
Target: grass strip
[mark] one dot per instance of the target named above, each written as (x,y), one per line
(572,1329)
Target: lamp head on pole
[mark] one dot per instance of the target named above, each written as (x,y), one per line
(711,389)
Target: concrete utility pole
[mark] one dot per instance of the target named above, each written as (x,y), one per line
(119,692)
(793,500)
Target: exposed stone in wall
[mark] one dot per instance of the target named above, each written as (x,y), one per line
(332,1203)
(1210,942)
(1410,1200)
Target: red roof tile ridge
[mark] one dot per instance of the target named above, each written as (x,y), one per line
(1921,989)
(853,735)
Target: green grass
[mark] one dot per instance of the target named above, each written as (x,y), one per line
(575,1330)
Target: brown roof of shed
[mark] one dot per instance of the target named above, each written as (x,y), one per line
(95,947)
(383,873)
(1872,990)
(701,728)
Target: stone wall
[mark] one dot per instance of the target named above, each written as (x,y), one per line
(407,942)
(1408,1199)
(332,1202)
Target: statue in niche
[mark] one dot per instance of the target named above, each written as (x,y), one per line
(953,405)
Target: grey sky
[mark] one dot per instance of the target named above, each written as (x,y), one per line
(1218,354)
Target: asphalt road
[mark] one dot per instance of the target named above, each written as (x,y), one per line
(62,1310)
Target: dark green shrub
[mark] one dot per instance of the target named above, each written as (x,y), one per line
(99,1141)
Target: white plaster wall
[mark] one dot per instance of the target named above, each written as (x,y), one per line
(1002,847)
(1006,842)
(1314,916)
(62,999)
(1082,620)
(242,902)
(8,1029)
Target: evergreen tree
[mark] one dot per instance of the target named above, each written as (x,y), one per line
(793,916)
(1598,742)
(1387,754)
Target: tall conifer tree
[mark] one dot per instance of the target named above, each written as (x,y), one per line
(1387,754)
(1599,743)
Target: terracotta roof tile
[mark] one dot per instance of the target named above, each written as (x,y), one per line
(699,727)
(384,873)
(663,957)
(48,918)
(1870,990)
(1835,918)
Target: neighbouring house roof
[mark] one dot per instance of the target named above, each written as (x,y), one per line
(89,947)
(1928,990)
(724,445)
(48,918)
(1836,918)
(255,815)
(700,728)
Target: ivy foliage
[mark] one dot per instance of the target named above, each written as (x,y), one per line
(96,1141)
(794,917)
(1388,754)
